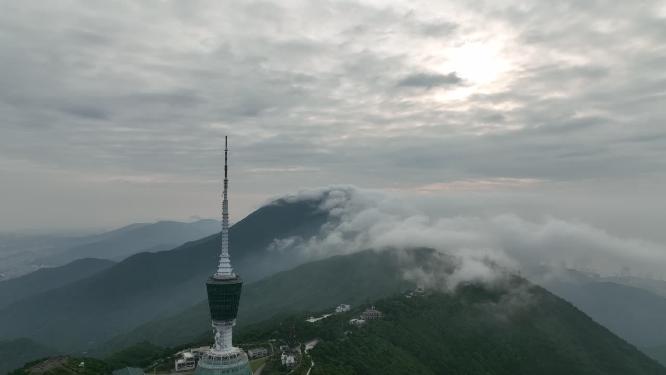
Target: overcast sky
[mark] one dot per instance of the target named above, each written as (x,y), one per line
(113,112)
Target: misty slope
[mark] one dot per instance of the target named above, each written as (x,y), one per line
(657,287)
(634,314)
(637,315)
(312,286)
(18,252)
(15,353)
(657,353)
(146,286)
(21,254)
(49,278)
(134,238)
(479,331)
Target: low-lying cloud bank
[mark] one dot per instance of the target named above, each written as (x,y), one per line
(481,245)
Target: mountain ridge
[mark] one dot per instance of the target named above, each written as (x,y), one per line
(46,279)
(147,286)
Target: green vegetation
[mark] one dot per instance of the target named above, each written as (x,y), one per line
(142,355)
(139,355)
(65,366)
(635,314)
(148,286)
(15,353)
(658,353)
(368,275)
(516,330)
(46,279)
(256,363)
(511,329)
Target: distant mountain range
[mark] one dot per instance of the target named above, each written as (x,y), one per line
(46,279)
(509,328)
(20,254)
(635,314)
(99,306)
(146,286)
(123,242)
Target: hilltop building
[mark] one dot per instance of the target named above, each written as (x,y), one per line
(224,290)
(342,308)
(185,362)
(288,360)
(257,353)
(356,322)
(371,313)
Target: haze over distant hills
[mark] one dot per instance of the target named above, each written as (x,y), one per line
(147,286)
(46,279)
(20,254)
(508,327)
(157,296)
(131,239)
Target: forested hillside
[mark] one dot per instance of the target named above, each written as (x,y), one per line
(521,330)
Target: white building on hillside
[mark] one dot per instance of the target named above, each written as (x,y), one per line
(186,362)
(257,353)
(342,308)
(288,360)
(356,322)
(371,313)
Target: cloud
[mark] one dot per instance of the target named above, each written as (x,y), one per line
(430,80)
(355,92)
(477,185)
(483,247)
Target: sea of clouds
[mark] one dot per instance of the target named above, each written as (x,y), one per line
(484,247)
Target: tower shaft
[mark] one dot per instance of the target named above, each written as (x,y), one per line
(224,269)
(224,291)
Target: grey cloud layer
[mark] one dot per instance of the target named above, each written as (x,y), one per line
(429,80)
(353,91)
(363,219)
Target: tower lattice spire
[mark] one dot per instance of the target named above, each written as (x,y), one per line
(224,269)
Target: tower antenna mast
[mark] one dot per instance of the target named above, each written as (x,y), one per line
(224,269)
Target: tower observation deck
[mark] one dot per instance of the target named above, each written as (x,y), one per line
(224,290)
